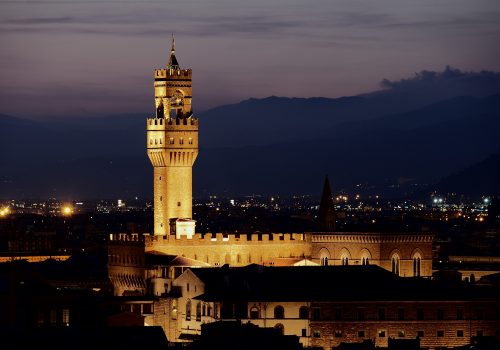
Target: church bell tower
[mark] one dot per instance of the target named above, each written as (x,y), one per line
(172,147)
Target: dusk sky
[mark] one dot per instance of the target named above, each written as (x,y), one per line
(90,58)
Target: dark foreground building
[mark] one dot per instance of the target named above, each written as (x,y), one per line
(328,306)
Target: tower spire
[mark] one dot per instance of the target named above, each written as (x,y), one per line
(172,62)
(326,217)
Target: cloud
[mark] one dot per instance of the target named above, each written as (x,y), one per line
(449,82)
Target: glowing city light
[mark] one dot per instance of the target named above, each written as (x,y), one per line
(67,210)
(4,211)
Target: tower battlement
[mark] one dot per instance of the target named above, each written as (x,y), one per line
(160,124)
(173,74)
(212,238)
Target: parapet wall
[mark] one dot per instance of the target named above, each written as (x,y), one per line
(173,74)
(212,238)
(159,124)
(227,239)
(364,237)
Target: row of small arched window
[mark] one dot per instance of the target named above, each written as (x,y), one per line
(171,141)
(344,261)
(416,266)
(279,312)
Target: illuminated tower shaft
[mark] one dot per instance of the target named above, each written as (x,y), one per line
(172,143)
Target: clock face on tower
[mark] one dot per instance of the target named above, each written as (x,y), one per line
(177,99)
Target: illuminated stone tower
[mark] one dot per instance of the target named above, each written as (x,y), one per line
(172,145)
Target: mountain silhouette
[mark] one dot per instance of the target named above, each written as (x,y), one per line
(385,142)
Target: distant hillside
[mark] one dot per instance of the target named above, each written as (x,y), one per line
(272,120)
(482,178)
(383,157)
(386,141)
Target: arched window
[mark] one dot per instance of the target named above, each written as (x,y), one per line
(324,256)
(365,256)
(254,312)
(304,312)
(279,312)
(280,327)
(198,311)
(188,310)
(345,255)
(174,309)
(395,265)
(416,266)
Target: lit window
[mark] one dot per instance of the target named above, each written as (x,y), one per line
(188,310)
(395,265)
(198,311)
(65,317)
(381,334)
(416,266)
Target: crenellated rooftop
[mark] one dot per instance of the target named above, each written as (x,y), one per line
(173,74)
(167,123)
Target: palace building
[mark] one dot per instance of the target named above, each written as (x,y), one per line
(326,287)
(172,147)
